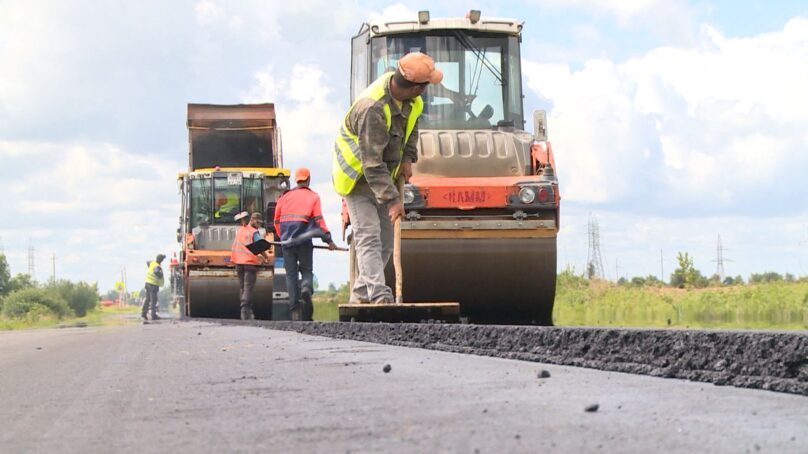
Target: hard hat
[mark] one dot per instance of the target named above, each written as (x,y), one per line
(302,174)
(241,216)
(419,68)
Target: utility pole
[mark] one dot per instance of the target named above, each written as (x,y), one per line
(661,267)
(53,267)
(594,261)
(31,254)
(719,259)
(616,271)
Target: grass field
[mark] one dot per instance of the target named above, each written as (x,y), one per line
(780,305)
(96,317)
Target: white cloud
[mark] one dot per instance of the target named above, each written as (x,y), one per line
(716,126)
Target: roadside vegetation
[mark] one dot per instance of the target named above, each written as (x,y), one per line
(766,300)
(25,303)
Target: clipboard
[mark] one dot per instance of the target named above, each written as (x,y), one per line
(259,246)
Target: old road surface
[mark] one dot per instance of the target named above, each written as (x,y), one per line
(203,387)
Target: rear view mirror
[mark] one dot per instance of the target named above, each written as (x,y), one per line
(540,125)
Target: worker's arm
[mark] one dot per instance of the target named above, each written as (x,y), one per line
(276,221)
(317,216)
(410,154)
(373,139)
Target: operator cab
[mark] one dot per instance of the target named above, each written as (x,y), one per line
(480,60)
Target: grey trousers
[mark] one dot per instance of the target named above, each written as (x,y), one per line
(373,241)
(150,303)
(246,283)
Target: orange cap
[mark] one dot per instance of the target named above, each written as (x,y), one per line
(302,174)
(419,68)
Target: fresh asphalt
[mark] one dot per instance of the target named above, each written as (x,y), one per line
(202,387)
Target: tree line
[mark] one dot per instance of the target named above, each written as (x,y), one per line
(21,297)
(686,275)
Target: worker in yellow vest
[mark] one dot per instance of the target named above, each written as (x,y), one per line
(246,262)
(154,280)
(376,145)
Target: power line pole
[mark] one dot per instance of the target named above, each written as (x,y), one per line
(31,264)
(594,261)
(53,267)
(720,259)
(661,267)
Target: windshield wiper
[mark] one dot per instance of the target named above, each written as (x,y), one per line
(466,41)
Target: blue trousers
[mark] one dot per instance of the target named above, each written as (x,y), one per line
(298,260)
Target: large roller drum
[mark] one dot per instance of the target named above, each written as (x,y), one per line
(495,280)
(215,294)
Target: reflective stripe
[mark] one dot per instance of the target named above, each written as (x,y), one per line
(343,163)
(239,254)
(299,216)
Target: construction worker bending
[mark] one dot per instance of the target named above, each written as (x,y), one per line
(375,145)
(246,262)
(154,280)
(298,217)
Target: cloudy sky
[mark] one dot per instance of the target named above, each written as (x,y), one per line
(673,122)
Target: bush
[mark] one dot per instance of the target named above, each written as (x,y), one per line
(81,297)
(33,303)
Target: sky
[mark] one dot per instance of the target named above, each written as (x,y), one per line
(672,122)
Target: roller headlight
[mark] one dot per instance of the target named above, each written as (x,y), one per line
(284,186)
(527,195)
(409,196)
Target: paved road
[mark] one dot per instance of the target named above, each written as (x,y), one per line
(198,387)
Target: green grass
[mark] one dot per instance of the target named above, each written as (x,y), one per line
(96,317)
(761,306)
(779,305)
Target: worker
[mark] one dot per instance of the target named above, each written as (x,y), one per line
(154,280)
(375,146)
(246,262)
(226,204)
(298,218)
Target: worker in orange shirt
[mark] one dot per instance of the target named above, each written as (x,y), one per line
(297,214)
(246,262)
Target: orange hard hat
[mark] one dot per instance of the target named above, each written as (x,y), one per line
(302,174)
(419,68)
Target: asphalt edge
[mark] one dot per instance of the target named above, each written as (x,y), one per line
(769,360)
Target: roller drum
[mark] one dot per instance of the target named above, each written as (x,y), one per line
(215,294)
(495,280)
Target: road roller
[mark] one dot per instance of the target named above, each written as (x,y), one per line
(482,206)
(235,165)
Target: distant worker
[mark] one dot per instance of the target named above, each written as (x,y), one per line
(375,145)
(154,280)
(298,217)
(246,262)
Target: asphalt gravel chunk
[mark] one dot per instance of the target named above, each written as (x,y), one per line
(591,408)
(387,368)
(544,374)
(770,360)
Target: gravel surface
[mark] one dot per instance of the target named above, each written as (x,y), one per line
(200,387)
(776,361)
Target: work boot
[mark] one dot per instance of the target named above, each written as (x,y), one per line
(307,308)
(247,313)
(154,316)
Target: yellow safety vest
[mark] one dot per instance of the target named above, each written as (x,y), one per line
(152,278)
(346,167)
(231,204)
